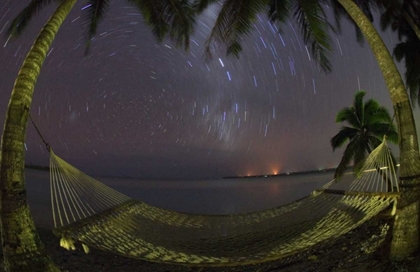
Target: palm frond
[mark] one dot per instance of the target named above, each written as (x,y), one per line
(388,15)
(409,51)
(200,5)
(95,10)
(153,14)
(413,10)
(315,30)
(279,11)
(233,23)
(345,134)
(370,110)
(180,16)
(338,12)
(173,17)
(359,106)
(348,115)
(360,38)
(380,115)
(20,22)
(392,135)
(400,51)
(381,129)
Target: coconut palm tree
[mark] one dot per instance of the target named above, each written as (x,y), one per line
(22,248)
(406,229)
(368,122)
(230,30)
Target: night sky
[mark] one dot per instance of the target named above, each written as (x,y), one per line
(136,107)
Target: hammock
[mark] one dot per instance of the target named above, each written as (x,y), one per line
(95,215)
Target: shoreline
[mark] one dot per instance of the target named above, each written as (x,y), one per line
(284,174)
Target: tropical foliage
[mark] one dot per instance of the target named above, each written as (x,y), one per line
(404,17)
(367,123)
(236,17)
(174,19)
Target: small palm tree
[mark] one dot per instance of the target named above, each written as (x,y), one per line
(368,123)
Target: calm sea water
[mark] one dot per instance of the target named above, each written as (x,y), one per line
(220,196)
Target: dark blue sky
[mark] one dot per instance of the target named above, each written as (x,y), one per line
(134,107)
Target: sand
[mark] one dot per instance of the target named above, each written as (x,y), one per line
(359,250)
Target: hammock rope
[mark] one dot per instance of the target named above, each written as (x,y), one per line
(87,211)
(47,145)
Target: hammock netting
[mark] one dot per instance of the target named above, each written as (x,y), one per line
(87,211)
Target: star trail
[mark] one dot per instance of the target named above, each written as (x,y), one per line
(136,107)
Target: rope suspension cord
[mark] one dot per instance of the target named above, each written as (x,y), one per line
(54,189)
(47,145)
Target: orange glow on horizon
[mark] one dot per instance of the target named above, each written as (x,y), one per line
(275,170)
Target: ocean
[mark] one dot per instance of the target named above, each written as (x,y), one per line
(217,196)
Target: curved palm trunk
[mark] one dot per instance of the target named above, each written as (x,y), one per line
(405,238)
(22,247)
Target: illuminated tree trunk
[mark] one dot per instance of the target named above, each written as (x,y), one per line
(22,247)
(405,237)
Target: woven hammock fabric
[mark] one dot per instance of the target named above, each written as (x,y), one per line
(95,215)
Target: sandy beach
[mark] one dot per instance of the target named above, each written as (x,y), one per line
(359,250)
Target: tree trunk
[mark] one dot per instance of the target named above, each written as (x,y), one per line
(405,238)
(22,247)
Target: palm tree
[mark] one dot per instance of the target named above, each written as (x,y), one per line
(230,29)
(22,247)
(368,123)
(406,229)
